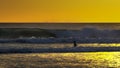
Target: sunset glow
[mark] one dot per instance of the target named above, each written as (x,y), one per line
(59,11)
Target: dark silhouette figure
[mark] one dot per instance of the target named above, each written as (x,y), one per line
(75,44)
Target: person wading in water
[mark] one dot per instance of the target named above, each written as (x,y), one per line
(75,44)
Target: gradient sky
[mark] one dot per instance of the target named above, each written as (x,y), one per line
(59,10)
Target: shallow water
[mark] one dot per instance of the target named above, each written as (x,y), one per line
(59,45)
(61,60)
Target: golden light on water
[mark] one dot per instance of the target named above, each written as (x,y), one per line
(100,45)
(55,60)
(74,60)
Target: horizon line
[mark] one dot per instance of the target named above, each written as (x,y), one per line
(59,22)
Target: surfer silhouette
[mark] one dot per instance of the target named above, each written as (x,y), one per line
(75,44)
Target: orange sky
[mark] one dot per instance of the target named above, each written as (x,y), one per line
(59,10)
